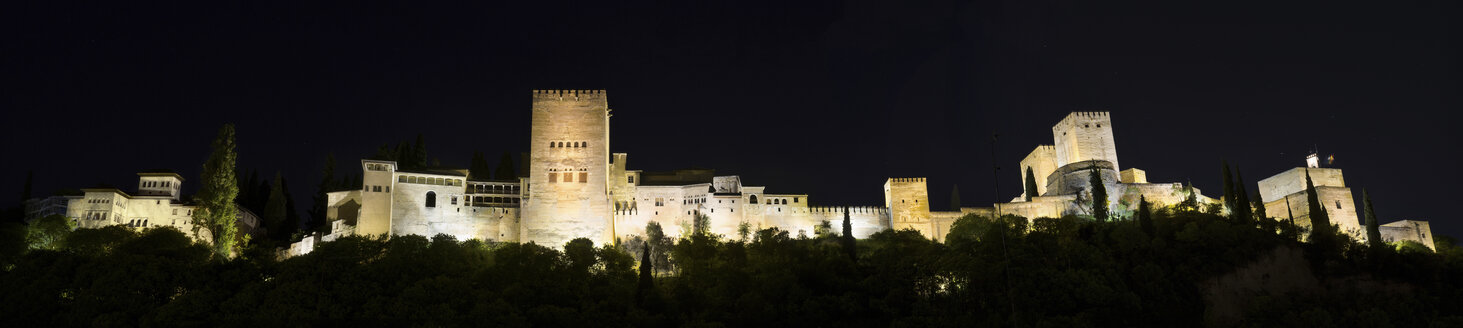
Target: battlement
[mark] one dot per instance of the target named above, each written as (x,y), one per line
(568,94)
(851,209)
(1044,148)
(906,179)
(1090,115)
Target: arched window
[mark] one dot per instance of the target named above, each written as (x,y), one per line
(753,199)
(784,202)
(431,199)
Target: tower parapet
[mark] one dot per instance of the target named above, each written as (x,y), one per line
(1083,136)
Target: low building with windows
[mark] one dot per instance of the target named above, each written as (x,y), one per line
(156,202)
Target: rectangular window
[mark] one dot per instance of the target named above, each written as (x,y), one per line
(376,188)
(401,179)
(454,200)
(553,177)
(568,177)
(388,188)
(632,179)
(583,177)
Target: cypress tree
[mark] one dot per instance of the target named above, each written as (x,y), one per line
(1030,184)
(1099,196)
(850,246)
(647,279)
(1243,213)
(291,216)
(328,183)
(1320,221)
(25,192)
(274,210)
(1191,201)
(1228,184)
(1145,218)
(384,153)
(1260,210)
(1373,230)
(219,187)
(955,198)
(403,156)
(505,168)
(420,152)
(479,169)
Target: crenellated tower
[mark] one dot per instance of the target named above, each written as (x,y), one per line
(1083,136)
(568,186)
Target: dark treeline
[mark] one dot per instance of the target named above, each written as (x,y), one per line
(1151,271)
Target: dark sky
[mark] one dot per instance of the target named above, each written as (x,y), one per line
(821,97)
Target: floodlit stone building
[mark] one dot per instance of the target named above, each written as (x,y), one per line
(157,202)
(575,187)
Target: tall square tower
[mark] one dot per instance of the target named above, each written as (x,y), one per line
(1085,136)
(568,186)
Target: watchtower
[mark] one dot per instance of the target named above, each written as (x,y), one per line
(568,186)
(1083,136)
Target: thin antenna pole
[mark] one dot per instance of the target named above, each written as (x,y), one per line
(996,181)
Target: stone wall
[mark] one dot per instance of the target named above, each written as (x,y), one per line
(1294,180)
(1418,231)
(1344,216)
(1042,161)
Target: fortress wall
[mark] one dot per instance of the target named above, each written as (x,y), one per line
(1073,178)
(410,216)
(1344,217)
(1294,180)
(1083,136)
(493,223)
(1158,194)
(1418,231)
(1042,161)
(726,214)
(1038,207)
(865,220)
(343,205)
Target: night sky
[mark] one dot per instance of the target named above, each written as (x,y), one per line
(823,98)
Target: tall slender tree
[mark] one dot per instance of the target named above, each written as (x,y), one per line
(274,210)
(319,208)
(1145,218)
(1242,200)
(479,169)
(647,278)
(404,155)
(1227,195)
(850,246)
(955,198)
(25,192)
(505,168)
(291,216)
(1320,221)
(420,152)
(1373,229)
(384,153)
(1031,189)
(219,186)
(1099,195)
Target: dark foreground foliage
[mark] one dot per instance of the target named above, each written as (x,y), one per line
(990,273)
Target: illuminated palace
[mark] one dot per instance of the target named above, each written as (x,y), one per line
(577,188)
